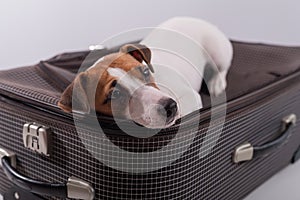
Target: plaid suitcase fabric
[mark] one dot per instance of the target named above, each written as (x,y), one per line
(254,113)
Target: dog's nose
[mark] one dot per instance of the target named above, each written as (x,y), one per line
(169,108)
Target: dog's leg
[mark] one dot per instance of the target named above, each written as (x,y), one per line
(217,83)
(221,52)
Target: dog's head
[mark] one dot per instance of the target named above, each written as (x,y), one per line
(122,85)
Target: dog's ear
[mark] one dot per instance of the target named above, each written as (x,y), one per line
(139,52)
(76,94)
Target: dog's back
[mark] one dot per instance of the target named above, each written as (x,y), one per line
(206,35)
(185,45)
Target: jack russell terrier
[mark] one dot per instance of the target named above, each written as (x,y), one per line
(154,87)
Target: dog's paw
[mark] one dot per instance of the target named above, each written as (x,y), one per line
(217,84)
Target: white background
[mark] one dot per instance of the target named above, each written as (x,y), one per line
(32,30)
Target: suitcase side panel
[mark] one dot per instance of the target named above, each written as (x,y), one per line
(190,177)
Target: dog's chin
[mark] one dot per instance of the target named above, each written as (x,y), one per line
(155,124)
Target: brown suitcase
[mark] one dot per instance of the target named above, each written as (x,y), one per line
(224,153)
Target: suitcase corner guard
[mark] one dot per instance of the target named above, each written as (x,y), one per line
(246,151)
(74,188)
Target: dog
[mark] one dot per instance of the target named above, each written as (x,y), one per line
(156,81)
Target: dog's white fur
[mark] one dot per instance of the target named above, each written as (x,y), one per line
(147,97)
(181,47)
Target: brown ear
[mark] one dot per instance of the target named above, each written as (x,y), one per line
(74,98)
(139,52)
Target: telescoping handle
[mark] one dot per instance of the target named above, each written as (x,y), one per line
(74,188)
(246,151)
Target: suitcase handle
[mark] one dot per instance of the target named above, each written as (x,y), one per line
(73,188)
(247,152)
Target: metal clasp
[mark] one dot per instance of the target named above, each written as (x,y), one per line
(290,119)
(96,47)
(79,189)
(243,152)
(37,138)
(11,155)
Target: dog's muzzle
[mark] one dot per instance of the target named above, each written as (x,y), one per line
(152,108)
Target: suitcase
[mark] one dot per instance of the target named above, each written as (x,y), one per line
(223,151)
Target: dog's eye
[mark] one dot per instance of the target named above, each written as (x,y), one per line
(115,94)
(146,72)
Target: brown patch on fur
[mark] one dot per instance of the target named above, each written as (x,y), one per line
(139,52)
(88,97)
